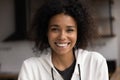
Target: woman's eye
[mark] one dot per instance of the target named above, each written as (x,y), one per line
(70,30)
(54,29)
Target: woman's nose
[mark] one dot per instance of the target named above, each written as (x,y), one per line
(62,35)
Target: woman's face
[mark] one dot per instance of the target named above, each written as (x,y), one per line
(62,34)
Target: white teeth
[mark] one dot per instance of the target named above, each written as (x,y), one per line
(62,45)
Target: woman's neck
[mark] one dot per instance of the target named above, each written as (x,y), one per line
(62,62)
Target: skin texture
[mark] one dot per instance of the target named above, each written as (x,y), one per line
(62,37)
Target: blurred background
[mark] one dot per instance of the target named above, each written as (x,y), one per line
(15,19)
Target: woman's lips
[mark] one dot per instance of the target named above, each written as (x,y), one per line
(62,44)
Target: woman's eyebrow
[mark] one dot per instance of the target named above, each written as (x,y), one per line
(71,26)
(54,25)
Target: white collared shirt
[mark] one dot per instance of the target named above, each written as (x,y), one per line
(93,66)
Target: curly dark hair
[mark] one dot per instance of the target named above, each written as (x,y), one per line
(86,30)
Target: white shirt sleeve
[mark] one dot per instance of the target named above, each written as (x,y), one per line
(26,72)
(103,71)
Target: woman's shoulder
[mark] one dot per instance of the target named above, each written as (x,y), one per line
(43,56)
(31,60)
(91,55)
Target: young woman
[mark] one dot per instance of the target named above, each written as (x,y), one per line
(62,30)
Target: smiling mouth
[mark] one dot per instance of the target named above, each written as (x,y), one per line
(62,44)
